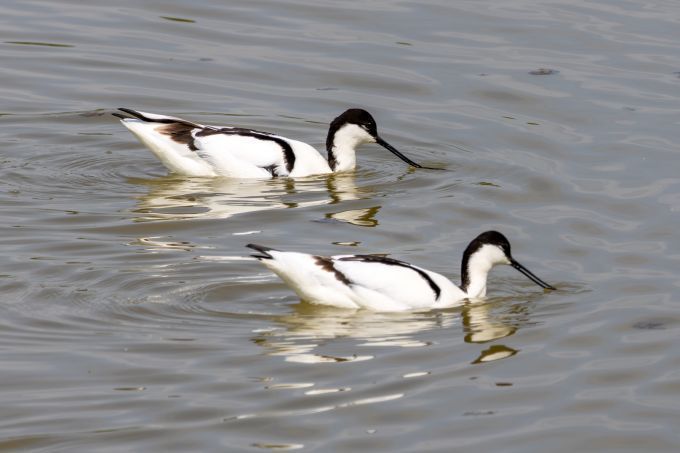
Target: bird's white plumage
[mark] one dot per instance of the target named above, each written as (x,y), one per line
(240,156)
(176,157)
(232,152)
(303,274)
(308,160)
(193,149)
(383,284)
(372,285)
(388,287)
(346,140)
(222,154)
(480,265)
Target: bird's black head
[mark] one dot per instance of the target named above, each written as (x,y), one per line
(490,238)
(364,121)
(360,117)
(498,253)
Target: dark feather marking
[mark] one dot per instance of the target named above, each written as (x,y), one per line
(288,154)
(180,133)
(327,265)
(178,130)
(272,169)
(209,130)
(393,262)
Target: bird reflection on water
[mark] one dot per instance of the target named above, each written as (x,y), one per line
(300,335)
(182,198)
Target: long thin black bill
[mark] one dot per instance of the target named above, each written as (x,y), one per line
(530,275)
(394,151)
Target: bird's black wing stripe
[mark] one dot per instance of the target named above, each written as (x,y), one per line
(327,265)
(288,154)
(392,262)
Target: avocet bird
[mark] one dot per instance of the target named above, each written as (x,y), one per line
(379,283)
(193,149)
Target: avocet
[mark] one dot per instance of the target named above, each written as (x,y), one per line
(380,283)
(193,149)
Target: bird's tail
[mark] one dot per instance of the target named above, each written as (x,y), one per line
(152,117)
(263,250)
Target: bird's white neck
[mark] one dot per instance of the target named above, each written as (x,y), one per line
(476,269)
(342,152)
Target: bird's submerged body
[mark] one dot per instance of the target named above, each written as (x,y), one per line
(193,149)
(379,283)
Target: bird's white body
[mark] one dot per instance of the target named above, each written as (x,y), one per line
(378,283)
(220,154)
(192,149)
(361,284)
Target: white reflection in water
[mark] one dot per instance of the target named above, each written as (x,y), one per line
(318,409)
(172,198)
(310,327)
(327,391)
(155,243)
(481,327)
(359,217)
(290,385)
(278,446)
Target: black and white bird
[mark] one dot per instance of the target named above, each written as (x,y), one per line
(379,283)
(193,149)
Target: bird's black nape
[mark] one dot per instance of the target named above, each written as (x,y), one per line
(360,117)
(492,238)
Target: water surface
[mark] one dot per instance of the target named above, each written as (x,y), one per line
(132,319)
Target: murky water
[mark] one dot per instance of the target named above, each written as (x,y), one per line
(131,319)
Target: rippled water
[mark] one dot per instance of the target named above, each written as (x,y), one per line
(132,319)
